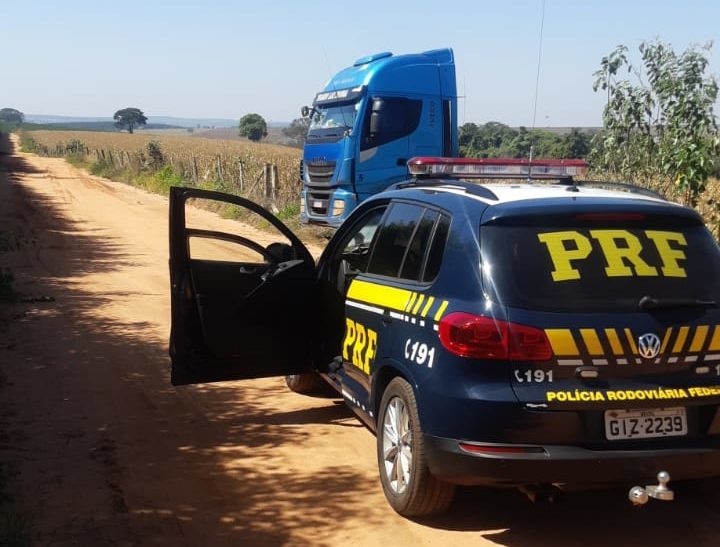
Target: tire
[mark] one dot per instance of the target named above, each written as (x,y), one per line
(308,382)
(410,488)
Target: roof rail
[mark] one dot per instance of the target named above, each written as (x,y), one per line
(467,187)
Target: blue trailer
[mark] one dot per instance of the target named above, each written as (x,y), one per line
(368,121)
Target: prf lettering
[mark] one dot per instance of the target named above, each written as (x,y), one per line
(360,345)
(621,250)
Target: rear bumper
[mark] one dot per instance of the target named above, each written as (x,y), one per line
(567,464)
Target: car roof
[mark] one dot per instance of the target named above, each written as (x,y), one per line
(516,196)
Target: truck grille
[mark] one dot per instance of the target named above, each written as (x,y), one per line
(320,172)
(318,202)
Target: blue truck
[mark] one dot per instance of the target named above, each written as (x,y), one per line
(368,121)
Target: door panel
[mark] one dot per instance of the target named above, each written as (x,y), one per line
(240,308)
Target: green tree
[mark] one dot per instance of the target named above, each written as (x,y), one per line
(663,125)
(253,127)
(297,131)
(575,144)
(129,118)
(10,115)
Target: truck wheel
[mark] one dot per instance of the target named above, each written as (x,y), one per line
(308,382)
(409,486)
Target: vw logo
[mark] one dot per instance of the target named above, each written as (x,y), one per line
(649,345)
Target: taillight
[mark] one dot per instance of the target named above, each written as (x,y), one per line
(528,343)
(482,337)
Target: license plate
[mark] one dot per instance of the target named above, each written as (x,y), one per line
(645,424)
(317,203)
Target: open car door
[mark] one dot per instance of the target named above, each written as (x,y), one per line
(240,308)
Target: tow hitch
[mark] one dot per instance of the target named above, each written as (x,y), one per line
(660,491)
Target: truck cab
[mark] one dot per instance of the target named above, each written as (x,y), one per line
(368,121)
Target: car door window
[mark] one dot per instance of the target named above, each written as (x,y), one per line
(394,238)
(434,260)
(355,250)
(417,250)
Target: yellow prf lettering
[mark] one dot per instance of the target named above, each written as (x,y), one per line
(371,349)
(617,257)
(349,337)
(668,255)
(562,256)
(360,345)
(360,339)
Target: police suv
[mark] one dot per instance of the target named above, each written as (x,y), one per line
(539,331)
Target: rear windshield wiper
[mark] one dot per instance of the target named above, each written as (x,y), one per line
(650,303)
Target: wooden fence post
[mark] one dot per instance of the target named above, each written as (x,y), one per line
(241,176)
(194,169)
(269,174)
(275,181)
(219,169)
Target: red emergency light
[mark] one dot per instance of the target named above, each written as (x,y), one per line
(496,167)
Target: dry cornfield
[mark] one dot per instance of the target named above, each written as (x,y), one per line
(239,166)
(235,164)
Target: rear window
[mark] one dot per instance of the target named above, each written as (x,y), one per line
(595,269)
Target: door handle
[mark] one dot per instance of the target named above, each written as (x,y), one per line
(401,162)
(386,319)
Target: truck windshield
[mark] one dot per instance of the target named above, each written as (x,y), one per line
(333,117)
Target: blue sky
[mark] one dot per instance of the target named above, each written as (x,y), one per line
(222,58)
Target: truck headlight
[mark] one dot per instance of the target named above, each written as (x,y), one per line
(338,208)
(302,204)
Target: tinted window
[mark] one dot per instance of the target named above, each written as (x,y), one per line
(416,251)
(356,247)
(598,269)
(389,118)
(395,235)
(436,251)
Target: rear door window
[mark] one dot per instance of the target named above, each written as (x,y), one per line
(598,268)
(395,235)
(410,243)
(416,251)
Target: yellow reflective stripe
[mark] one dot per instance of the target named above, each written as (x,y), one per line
(562,341)
(592,342)
(418,303)
(426,309)
(668,334)
(715,342)
(681,338)
(410,302)
(379,295)
(615,344)
(698,341)
(631,341)
(441,310)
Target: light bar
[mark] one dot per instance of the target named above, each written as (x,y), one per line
(499,167)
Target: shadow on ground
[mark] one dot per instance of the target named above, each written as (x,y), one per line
(108,451)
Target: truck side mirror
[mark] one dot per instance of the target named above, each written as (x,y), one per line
(305,111)
(376,121)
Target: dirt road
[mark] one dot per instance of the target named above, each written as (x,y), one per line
(109,453)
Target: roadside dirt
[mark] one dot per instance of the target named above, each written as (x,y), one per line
(109,453)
